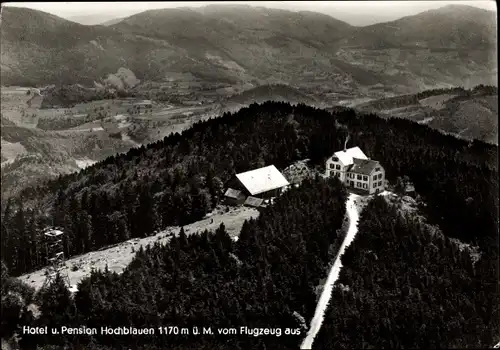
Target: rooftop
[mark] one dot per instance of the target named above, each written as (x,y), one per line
(232,193)
(53,233)
(253,201)
(363,166)
(346,157)
(262,180)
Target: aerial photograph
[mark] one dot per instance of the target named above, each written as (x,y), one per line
(249,175)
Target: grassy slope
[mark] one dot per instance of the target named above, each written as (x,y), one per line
(119,256)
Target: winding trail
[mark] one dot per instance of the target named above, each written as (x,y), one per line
(353,214)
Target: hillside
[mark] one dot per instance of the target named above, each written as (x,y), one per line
(69,127)
(270,273)
(470,114)
(263,93)
(179,179)
(238,45)
(406,285)
(450,27)
(30,156)
(451,46)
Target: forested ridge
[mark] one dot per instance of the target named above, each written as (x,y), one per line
(413,99)
(179,179)
(208,280)
(406,285)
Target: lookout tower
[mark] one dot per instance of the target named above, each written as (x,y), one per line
(55,256)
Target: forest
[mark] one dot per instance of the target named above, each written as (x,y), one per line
(265,279)
(398,270)
(406,285)
(179,179)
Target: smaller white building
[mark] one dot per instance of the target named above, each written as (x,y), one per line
(253,187)
(262,181)
(356,170)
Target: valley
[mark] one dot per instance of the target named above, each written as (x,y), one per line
(42,143)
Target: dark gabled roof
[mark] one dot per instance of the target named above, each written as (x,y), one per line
(363,166)
(253,201)
(235,194)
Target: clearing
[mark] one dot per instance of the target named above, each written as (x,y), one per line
(117,257)
(436,102)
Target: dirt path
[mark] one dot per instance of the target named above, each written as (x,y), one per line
(316,322)
(119,256)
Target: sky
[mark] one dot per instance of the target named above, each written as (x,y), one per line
(352,12)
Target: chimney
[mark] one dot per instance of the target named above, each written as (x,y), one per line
(345,143)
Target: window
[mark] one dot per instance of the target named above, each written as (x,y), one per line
(337,167)
(379,176)
(335,159)
(374,184)
(332,166)
(365,186)
(365,178)
(359,177)
(332,172)
(380,183)
(358,184)
(375,177)
(377,169)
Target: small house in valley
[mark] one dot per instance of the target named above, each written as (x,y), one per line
(145,106)
(254,186)
(356,170)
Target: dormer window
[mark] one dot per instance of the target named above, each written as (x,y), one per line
(335,159)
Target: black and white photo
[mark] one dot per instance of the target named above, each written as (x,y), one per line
(249,175)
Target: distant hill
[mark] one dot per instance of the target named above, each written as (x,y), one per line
(111,22)
(450,27)
(471,114)
(271,92)
(39,49)
(242,44)
(95,19)
(451,46)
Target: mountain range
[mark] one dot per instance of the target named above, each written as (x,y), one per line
(237,45)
